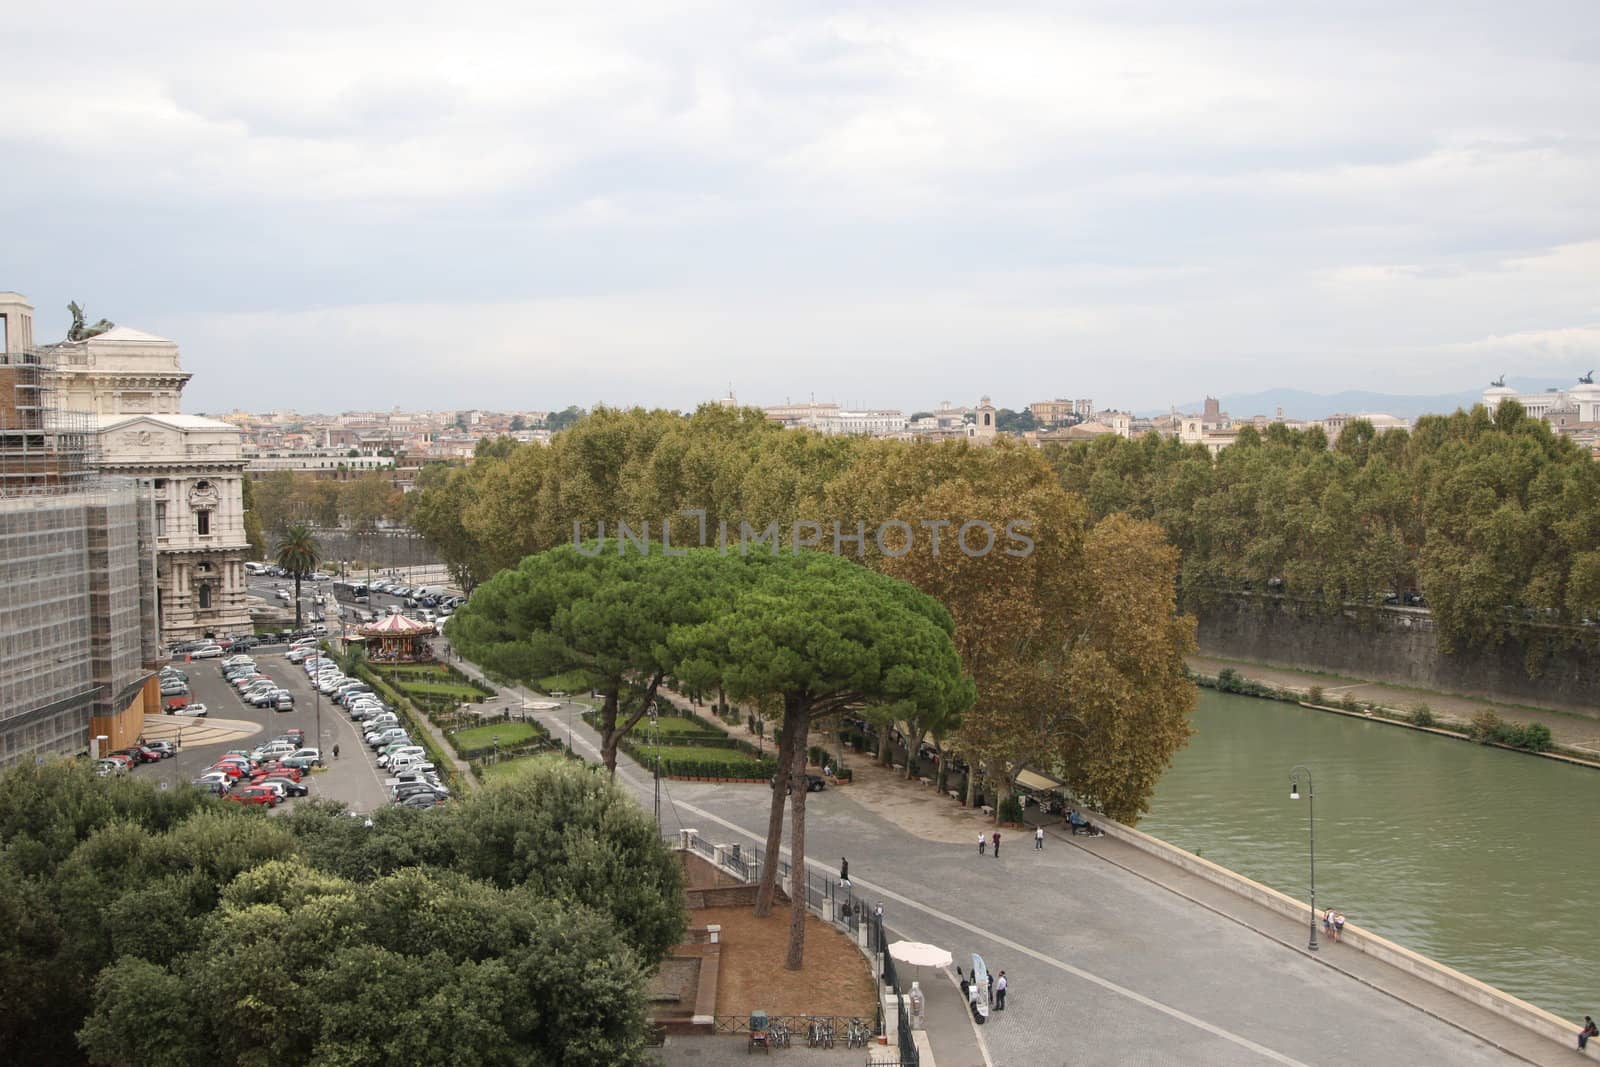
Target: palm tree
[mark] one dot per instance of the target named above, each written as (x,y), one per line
(298,553)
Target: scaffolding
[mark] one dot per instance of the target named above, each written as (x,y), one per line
(42,445)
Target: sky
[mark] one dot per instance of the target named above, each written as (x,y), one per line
(521,206)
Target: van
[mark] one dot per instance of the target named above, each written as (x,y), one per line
(285,701)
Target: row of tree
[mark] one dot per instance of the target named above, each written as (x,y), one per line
(1494,519)
(517,926)
(283,499)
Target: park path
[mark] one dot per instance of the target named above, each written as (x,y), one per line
(1575,731)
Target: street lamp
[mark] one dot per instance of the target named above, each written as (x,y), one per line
(1311,808)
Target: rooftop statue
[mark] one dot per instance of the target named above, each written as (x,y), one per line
(78,331)
(1587,379)
(1499,383)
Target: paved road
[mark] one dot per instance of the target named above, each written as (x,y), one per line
(353,779)
(1105,967)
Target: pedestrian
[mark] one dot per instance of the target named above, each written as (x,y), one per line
(991,987)
(962,976)
(844,871)
(1038,839)
(1338,926)
(335,750)
(1327,923)
(1000,992)
(983,842)
(1589,1030)
(996,840)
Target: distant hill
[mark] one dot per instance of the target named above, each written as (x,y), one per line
(1299,404)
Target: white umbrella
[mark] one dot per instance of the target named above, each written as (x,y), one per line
(919,955)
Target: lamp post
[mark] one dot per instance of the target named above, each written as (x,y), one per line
(1311,809)
(655,745)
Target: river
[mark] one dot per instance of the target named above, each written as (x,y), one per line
(1482,859)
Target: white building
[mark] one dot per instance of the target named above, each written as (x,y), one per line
(1581,400)
(133,383)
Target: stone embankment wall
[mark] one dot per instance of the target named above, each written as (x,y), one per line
(1397,646)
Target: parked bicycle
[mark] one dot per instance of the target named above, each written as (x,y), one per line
(778,1034)
(820,1033)
(857,1035)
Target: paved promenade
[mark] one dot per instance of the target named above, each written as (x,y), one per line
(1113,957)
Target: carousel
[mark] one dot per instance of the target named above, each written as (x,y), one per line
(397,639)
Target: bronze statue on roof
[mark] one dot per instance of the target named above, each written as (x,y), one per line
(1587,379)
(1499,383)
(78,331)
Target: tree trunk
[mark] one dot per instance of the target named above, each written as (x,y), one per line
(767,890)
(913,748)
(297,623)
(972,784)
(797,852)
(609,735)
(883,744)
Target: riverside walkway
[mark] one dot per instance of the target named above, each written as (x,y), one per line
(1112,956)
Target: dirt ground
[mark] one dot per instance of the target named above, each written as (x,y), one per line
(834,981)
(914,807)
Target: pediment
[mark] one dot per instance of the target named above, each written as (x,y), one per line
(137,436)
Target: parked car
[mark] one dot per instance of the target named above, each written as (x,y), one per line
(211,651)
(222,781)
(105,768)
(193,711)
(255,794)
(312,754)
(167,748)
(423,800)
(815,783)
(291,787)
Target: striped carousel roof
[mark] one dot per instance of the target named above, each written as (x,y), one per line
(396,626)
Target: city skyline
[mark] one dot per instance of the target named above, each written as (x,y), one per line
(1149,202)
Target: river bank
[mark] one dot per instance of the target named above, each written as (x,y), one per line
(1461,852)
(1574,736)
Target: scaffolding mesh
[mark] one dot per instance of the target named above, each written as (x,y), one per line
(42,444)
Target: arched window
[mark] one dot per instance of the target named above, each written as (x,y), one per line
(205,594)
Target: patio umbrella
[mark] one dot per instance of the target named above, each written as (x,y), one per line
(919,955)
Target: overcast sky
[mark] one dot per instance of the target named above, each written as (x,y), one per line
(525,206)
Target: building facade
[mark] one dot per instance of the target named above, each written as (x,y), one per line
(131,384)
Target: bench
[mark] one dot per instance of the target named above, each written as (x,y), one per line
(986,809)
(952,794)
(925,781)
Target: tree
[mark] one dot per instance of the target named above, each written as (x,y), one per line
(252,520)
(443,494)
(822,634)
(600,614)
(366,500)
(518,424)
(560,420)
(298,553)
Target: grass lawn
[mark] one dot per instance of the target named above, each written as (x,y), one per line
(668,724)
(422,668)
(509,733)
(694,752)
(512,768)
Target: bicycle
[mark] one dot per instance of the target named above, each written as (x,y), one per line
(827,1033)
(778,1034)
(857,1035)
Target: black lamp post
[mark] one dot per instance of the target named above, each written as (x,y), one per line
(1311,807)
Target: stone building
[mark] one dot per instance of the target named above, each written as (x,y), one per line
(132,382)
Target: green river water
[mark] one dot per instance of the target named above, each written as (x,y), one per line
(1485,860)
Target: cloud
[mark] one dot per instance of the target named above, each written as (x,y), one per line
(1140,199)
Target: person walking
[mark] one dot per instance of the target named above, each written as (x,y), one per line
(336,750)
(1589,1030)
(844,871)
(1000,986)
(982,842)
(1338,926)
(996,840)
(1038,839)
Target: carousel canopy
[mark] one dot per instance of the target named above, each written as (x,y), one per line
(396,626)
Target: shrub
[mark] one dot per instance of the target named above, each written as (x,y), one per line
(844,774)
(1422,715)
(1536,737)
(1314,695)
(1485,727)
(1011,809)
(1350,704)
(1227,679)
(818,755)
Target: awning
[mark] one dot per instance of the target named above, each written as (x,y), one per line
(1037,782)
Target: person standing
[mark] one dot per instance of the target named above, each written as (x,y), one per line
(1038,839)
(1589,1030)
(1000,992)
(844,871)
(982,842)
(996,840)
(336,750)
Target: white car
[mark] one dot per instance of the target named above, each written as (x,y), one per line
(297,655)
(206,652)
(193,711)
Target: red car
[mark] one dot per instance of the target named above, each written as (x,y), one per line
(255,794)
(294,774)
(232,770)
(123,758)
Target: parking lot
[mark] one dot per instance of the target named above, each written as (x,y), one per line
(353,778)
